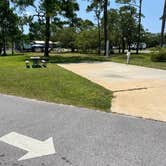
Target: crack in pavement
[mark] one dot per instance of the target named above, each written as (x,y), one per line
(133,89)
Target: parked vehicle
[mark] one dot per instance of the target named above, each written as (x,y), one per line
(141,46)
(38,48)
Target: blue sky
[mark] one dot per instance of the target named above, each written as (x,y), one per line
(151,9)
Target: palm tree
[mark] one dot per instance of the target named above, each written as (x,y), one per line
(163,24)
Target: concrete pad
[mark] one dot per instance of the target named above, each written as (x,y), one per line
(138,91)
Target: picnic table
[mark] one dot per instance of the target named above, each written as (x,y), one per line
(36,61)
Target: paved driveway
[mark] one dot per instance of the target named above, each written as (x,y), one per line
(81,137)
(138,91)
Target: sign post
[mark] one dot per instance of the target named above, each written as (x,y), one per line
(128,57)
(107,49)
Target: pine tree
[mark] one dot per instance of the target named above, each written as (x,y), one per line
(163,24)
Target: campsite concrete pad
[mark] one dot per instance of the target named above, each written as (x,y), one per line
(138,91)
(81,137)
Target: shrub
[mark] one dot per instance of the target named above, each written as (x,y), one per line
(159,56)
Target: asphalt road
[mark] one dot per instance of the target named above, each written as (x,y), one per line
(81,137)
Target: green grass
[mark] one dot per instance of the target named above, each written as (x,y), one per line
(140,60)
(72,57)
(56,84)
(53,84)
(76,59)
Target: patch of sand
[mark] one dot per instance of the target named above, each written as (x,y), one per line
(138,91)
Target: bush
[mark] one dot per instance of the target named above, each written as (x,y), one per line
(159,56)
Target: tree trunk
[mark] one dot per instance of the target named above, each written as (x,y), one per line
(123,45)
(163,25)
(139,27)
(129,46)
(99,37)
(47,35)
(119,49)
(4,46)
(12,48)
(105,26)
(72,49)
(0,50)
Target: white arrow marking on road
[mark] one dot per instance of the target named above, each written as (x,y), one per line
(35,148)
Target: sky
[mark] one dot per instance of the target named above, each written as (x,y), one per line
(151,9)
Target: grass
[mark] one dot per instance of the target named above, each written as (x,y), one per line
(76,59)
(140,60)
(56,84)
(53,84)
(72,57)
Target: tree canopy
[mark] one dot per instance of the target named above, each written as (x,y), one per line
(57,20)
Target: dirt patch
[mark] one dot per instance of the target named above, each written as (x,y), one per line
(148,103)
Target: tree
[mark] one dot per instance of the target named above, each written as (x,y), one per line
(69,9)
(23,21)
(133,3)
(4,21)
(139,25)
(105,25)
(163,24)
(13,31)
(36,31)
(53,8)
(86,40)
(104,8)
(114,28)
(97,7)
(66,36)
(22,4)
(122,25)
(152,39)
(8,25)
(50,10)
(83,25)
(128,25)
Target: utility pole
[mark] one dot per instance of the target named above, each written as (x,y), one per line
(139,26)
(163,25)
